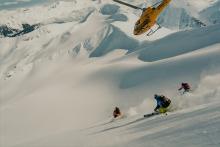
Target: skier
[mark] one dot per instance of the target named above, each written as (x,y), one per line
(162,103)
(116,112)
(185,87)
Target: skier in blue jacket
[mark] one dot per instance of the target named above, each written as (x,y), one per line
(162,103)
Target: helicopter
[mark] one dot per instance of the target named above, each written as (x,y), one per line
(148,17)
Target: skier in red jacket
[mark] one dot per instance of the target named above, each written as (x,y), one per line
(116,112)
(185,87)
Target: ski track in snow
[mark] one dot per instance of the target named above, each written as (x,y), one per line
(60,82)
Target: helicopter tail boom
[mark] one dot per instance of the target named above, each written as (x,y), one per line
(163,4)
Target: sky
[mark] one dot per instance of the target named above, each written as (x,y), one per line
(11,4)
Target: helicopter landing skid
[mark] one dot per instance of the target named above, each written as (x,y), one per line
(151,32)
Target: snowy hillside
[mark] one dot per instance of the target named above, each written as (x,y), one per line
(65,65)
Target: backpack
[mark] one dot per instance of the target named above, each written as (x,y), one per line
(165,101)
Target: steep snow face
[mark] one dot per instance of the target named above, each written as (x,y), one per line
(211,14)
(186,14)
(196,6)
(179,18)
(83,61)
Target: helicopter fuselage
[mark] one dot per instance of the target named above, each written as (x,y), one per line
(148,18)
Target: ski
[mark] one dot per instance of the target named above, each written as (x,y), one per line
(153,114)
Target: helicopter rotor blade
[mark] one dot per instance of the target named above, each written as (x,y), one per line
(129,5)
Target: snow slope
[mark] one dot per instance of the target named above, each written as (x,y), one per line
(60,82)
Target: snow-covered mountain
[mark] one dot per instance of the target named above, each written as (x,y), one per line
(179,15)
(65,65)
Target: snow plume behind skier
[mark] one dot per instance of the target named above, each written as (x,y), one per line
(207,90)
